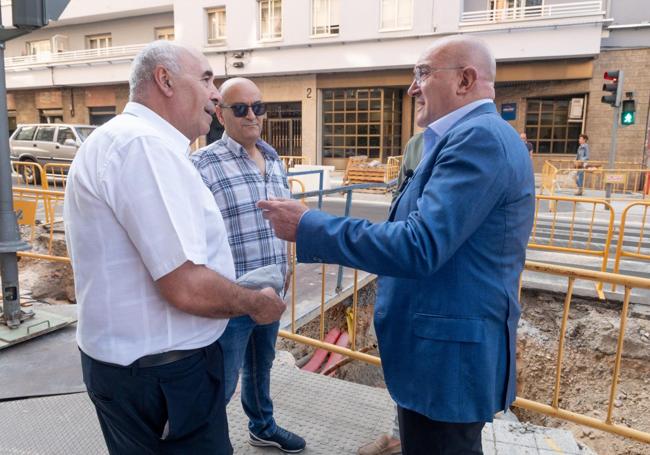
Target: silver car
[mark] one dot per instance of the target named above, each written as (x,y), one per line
(45,143)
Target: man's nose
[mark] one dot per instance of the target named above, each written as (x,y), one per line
(250,115)
(215,96)
(414,89)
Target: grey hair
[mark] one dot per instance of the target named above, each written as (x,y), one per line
(161,52)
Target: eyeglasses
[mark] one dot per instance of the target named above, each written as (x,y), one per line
(241,109)
(421,72)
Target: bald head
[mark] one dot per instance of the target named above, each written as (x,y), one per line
(465,51)
(451,73)
(232,87)
(239,92)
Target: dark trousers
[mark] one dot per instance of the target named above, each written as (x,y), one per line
(178,408)
(423,436)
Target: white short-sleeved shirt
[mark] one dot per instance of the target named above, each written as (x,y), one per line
(135,210)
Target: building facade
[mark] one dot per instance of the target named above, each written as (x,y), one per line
(335,72)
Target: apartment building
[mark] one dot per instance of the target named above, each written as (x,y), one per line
(335,72)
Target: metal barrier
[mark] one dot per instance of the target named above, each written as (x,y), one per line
(625,182)
(568,243)
(392,167)
(620,245)
(31,173)
(26,201)
(57,175)
(553,409)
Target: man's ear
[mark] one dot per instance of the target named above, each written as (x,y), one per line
(162,79)
(219,113)
(468,79)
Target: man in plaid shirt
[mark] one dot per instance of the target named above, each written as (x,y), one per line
(241,169)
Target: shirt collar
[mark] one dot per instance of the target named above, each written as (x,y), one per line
(444,123)
(238,149)
(177,139)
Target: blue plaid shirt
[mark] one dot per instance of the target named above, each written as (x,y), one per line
(237,185)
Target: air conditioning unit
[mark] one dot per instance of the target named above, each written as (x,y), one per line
(59,43)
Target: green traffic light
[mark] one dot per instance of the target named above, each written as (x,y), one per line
(627,118)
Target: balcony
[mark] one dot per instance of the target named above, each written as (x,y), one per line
(532,13)
(69,58)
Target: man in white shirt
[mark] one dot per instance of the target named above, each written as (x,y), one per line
(152,265)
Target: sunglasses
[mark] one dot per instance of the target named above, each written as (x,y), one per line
(241,109)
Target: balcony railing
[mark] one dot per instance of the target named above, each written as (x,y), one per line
(525,13)
(69,57)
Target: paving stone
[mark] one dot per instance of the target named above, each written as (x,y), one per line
(556,440)
(514,434)
(509,449)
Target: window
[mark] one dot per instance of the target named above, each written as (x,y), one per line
(26,133)
(100,115)
(216,25)
(99,41)
(325,17)
(549,127)
(50,116)
(270,19)
(38,47)
(11,119)
(396,14)
(514,9)
(45,133)
(65,132)
(165,33)
(283,127)
(362,122)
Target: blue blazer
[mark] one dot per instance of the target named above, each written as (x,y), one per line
(449,259)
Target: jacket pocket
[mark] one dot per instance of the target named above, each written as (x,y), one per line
(443,328)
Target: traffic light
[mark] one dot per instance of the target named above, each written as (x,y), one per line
(33,14)
(614,86)
(627,112)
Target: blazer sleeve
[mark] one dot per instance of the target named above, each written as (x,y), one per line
(468,179)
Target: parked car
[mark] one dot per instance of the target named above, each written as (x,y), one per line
(45,143)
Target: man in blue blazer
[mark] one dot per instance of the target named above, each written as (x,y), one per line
(449,257)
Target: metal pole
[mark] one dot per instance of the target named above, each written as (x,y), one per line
(612,149)
(10,241)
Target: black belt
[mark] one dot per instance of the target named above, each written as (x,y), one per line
(156,360)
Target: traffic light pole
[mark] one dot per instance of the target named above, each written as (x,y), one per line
(612,149)
(10,241)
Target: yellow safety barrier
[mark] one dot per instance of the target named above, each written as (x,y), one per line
(625,184)
(57,175)
(291,161)
(31,173)
(392,167)
(569,163)
(567,219)
(292,182)
(620,246)
(27,200)
(553,409)
(549,173)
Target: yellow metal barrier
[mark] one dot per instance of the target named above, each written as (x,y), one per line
(567,219)
(569,163)
(620,246)
(32,173)
(292,182)
(291,161)
(624,183)
(57,175)
(549,173)
(553,409)
(30,198)
(392,167)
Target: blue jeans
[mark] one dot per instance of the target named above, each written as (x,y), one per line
(580,178)
(250,347)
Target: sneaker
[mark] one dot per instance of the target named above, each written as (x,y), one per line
(282,439)
(383,445)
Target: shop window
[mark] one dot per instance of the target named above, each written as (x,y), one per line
(550,125)
(362,122)
(100,115)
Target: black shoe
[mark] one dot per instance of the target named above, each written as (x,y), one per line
(282,439)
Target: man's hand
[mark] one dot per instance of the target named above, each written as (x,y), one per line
(268,307)
(284,215)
